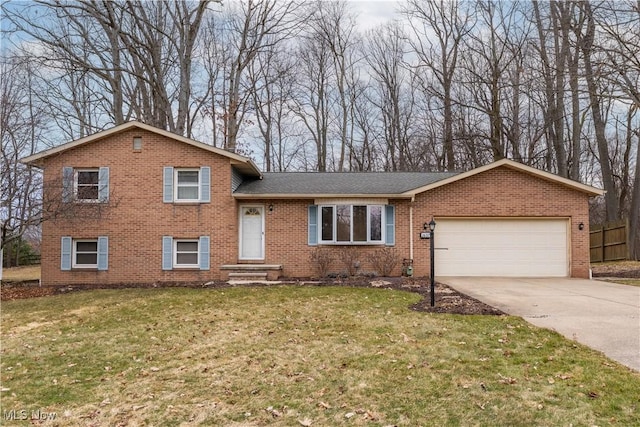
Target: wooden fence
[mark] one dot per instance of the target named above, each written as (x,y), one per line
(609,241)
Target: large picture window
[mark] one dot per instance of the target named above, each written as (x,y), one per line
(351,224)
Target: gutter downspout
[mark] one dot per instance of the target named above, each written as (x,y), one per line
(413,199)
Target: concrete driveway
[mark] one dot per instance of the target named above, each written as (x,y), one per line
(604,316)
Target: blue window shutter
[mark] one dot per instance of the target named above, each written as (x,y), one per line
(313,225)
(167,253)
(390,221)
(203,247)
(205,184)
(103,184)
(167,185)
(67,184)
(103,253)
(65,253)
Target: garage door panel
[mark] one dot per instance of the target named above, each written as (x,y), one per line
(501,247)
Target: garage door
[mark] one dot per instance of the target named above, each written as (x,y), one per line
(501,247)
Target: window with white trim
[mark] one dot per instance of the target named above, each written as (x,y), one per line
(186,253)
(87,184)
(187,188)
(85,253)
(186,185)
(351,224)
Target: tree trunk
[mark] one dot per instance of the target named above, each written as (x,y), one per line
(634,220)
(611,196)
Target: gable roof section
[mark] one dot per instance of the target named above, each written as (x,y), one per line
(592,191)
(243,164)
(290,185)
(338,184)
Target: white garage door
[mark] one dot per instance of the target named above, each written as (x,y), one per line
(501,247)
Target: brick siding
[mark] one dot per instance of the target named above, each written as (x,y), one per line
(137,218)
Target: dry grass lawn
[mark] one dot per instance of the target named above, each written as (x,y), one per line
(291,356)
(21,274)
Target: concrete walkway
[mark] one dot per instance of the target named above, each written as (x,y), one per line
(604,316)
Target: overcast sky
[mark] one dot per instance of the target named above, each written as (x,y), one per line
(375,12)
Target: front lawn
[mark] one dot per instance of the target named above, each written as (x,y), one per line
(296,356)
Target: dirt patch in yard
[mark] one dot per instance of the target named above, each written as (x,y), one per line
(447,300)
(20,290)
(625,269)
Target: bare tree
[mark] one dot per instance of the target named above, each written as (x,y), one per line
(634,221)
(312,103)
(254,27)
(336,25)
(20,126)
(272,79)
(450,23)
(620,24)
(554,76)
(391,94)
(493,55)
(133,59)
(595,98)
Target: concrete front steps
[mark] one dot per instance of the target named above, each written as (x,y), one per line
(252,273)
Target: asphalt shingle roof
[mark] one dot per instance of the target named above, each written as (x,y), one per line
(283,183)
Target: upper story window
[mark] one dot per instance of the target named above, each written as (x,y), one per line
(186,185)
(359,224)
(137,144)
(85,184)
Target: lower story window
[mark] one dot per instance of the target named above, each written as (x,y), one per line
(85,253)
(186,253)
(351,224)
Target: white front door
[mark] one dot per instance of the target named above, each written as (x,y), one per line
(252,232)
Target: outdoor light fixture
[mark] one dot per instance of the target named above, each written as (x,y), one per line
(581,226)
(271,207)
(432,228)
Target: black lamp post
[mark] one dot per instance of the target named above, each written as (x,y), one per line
(432,227)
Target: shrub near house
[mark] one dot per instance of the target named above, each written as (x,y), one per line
(136,204)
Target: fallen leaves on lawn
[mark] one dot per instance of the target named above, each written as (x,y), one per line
(274,412)
(507,380)
(324,405)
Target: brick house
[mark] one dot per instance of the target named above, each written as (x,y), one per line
(136,204)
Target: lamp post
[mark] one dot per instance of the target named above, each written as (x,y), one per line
(432,227)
